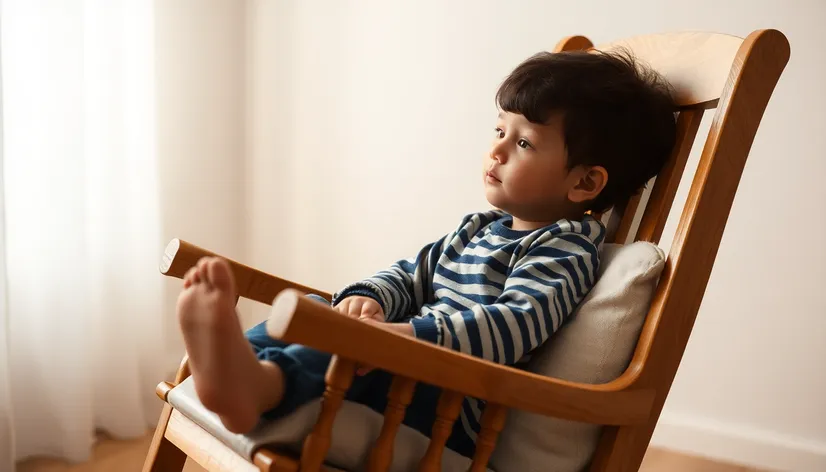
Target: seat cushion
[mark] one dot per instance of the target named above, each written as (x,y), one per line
(355,429)
(595,346)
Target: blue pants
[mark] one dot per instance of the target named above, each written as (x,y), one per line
(304,369)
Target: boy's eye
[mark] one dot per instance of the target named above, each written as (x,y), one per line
(523,143)
(499,133)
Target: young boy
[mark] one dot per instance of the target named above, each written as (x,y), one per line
(576,133)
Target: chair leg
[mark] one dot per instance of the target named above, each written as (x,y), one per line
(622,448)
(163,456)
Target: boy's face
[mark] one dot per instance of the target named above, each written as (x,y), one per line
(525,173)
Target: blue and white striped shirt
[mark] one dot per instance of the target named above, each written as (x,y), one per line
(488,290)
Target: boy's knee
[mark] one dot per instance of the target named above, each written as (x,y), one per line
(257,331)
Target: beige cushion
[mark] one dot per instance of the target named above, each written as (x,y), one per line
(594,347)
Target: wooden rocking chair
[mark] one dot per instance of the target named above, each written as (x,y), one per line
(736,77)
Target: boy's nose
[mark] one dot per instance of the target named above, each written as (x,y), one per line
(497,155)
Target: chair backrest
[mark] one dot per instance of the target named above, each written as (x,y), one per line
(709,71)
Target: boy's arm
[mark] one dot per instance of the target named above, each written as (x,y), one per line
(544,288)
(404,287)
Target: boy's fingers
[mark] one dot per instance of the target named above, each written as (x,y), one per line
(369,309)
(355,308)
(342,307)
(377,317)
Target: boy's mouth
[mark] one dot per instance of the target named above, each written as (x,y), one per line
(490,176)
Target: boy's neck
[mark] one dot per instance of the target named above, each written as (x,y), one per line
(520,224)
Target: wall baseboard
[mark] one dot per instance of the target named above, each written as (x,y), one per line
(740,444)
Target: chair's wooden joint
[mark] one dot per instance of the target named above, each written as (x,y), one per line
(162,390)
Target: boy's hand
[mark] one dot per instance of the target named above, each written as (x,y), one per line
(361,308)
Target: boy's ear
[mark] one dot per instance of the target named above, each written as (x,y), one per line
(590,182)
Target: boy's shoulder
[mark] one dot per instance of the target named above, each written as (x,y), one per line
(571,239)
(588,228)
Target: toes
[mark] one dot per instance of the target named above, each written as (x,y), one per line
(191,277)
(202,267)
(220,275)
(214,272)
(197,273)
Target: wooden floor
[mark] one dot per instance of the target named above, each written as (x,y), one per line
(127,456)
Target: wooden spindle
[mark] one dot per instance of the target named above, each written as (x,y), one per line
(493,420)
(400,396)
(183,371)
(339,378)
(668,180)
(626,215)
(450,405)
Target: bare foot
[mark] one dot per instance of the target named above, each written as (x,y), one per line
(228,379)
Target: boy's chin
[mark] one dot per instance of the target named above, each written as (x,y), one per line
(498,203)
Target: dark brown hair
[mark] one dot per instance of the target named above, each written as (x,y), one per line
(616,114)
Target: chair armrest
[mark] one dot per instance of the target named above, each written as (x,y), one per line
(298,319)
(251,283)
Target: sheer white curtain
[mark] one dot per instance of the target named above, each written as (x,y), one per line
(6,438)
(82,314)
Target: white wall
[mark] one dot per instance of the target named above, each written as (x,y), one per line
(200,84)
(367,122)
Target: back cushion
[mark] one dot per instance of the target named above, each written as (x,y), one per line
(595,346)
